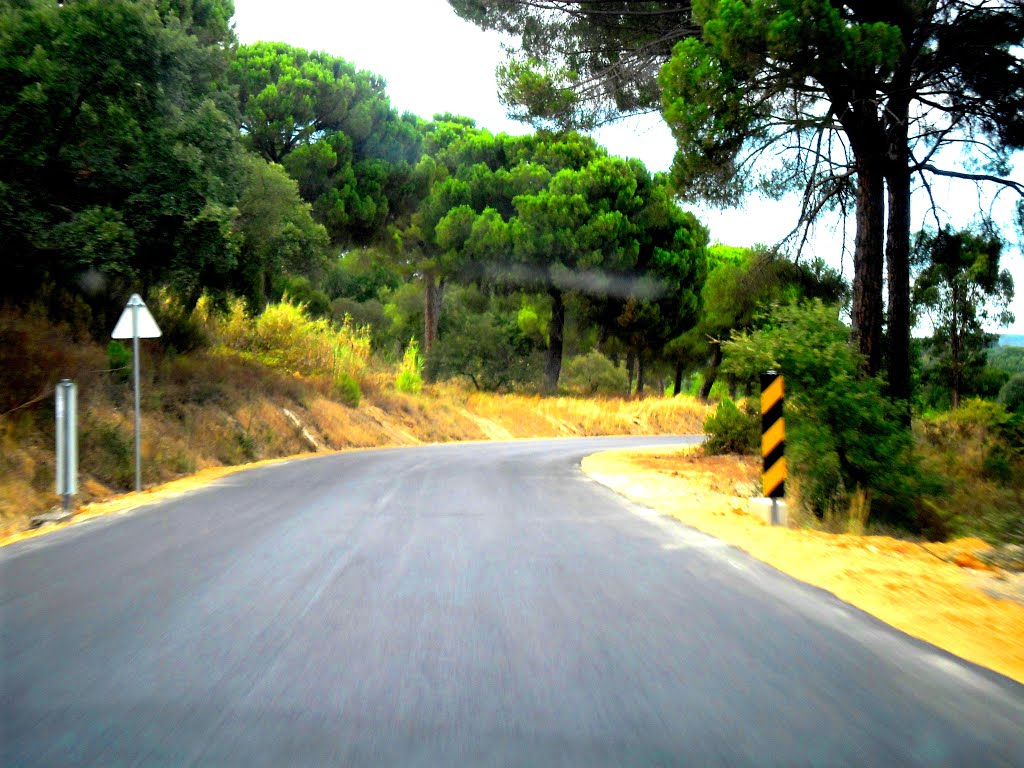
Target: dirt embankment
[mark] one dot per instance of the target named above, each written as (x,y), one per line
(204,415)
(940,593)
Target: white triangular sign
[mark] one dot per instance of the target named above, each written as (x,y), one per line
(147,327)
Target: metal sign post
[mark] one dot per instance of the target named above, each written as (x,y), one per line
(136,322)
(67,442)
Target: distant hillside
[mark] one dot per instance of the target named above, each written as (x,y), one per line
(1011,340)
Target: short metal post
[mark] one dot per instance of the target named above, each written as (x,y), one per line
(66,397)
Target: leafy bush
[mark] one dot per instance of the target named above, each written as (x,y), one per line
(594,374)
(284,337)
(731,430)
(346,389)
(1012,394)
(368,313)
(300,291)
(842,434)
(181,330)
(410,372)
(489,348)
(979,450)
(119,361)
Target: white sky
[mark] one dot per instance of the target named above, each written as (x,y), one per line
(433,62)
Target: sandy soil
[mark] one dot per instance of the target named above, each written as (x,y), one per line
(940,593)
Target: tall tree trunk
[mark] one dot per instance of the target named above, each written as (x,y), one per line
(711,372)
(640,383)
(555,331)
(868,263)
(955,349)
(677,383)
(433,296)
(897,254)
(431,312)
(630,370)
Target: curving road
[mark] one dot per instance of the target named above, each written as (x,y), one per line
(476,604)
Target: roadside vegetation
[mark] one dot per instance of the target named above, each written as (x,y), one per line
(254,388)
(329,272)
(956,472)
(961,595)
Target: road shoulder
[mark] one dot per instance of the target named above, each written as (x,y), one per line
(917,589)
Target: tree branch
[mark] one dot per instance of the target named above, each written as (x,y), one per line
(1017,186)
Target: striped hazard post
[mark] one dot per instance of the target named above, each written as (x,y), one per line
(773,438)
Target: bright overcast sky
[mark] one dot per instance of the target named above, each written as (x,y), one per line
(433,62)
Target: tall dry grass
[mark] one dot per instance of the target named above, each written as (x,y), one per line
(284,337)
(528,416)
(224,405)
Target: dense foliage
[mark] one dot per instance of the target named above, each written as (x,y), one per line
(119,158)
(334,130)
(843,103)
(731,430)
(844,436)
(273,208)
(961,288)
(1008,359)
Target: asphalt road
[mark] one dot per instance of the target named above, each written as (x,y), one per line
(480,604)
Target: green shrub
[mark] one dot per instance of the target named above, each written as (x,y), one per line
(594,374)
(284,337)
(489,348)
(731,430)
(842,433)
(979,450)
(119,361)
(346,389)
(410,372)
(299,290)
(1012,394)
(180,330)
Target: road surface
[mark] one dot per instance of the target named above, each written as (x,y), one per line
(477,604)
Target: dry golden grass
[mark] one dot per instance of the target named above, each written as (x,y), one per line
(18,467)
(531,416)
(344,427)
(209,411)
(219,408)
(931,592)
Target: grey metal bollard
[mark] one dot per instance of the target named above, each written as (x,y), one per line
(67,441)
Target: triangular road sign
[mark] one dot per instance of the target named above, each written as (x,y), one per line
(147,327)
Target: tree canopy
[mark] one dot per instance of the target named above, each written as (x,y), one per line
(856,99)
(581,64)
(959,285)
(334,130)
(118,162)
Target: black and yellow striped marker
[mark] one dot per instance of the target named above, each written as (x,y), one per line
(773,436)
